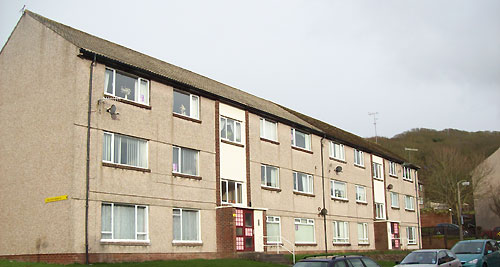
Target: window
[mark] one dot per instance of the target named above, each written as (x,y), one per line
(302,182)
(304,231)
(409,205)
(268,129)
(300,139)
(421,201)
(340,232)
(186,225)
(337,151)
(186,105)
(231,192)
(362,233)
(410,235)
(273,226)
(394,200)
(358,158)
(360,193)
(124,222)
(377,170)
(338,190)
(269,176)
(125,150)
(230,130)
(379,211)
(185,160)
(407,173)
(126,86)
(392,168)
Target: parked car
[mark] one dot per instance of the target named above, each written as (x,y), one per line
(492,234)
(337,261)
(430,257)
(478,253)
(448,229)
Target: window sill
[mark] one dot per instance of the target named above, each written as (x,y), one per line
(122,100)
(125,243)
(231,143)
(379,179)
(189,176)
(362,202)
(269,141)
(339,160)
(305,244)
(380,219)
(270,188)
(363,244)
(393,176)
(408,180)
(186,118)
(359,166)
(303,194)
(410,210)
(395,208)
(341,244)
(340,199)
(119,166)
(187,244)
(302,149)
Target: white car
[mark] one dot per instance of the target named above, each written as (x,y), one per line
(430,257)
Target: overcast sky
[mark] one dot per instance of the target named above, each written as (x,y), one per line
(426,63)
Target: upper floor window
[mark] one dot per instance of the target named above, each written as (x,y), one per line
(186,225)
(337,151)
(358,158)
(124,222)
(303,182)
(124,150)
(186,105)
(230,130)
(409,203)
(301,139)
(407,173)
(360,193)
(394,200)
(379,211)
(126,86)
(377,170)
(363,233)
(269,176)
(392,168)
(304,231)
(338,190)
(185,160)
(340,232)
(273,226)
(231,192)
(268,129)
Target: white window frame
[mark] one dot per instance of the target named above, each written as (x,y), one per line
(146,224)
(358,193)
(180,162)
(407,174)
(307,137)
(359,159)
(379,211)
(236,183)
(337,151)
(263,128)
(139,79)
(191,107)
(392,169)
(333,185)
(274,220)
(112,150)
(198,239)
(377,171)
(265,176)
(394,196)
(413,240)
(409,202)
(235,122)
(421,201)
(363,238)
(337,238)
(310,180)
(305,221)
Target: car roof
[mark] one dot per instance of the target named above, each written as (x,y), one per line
(430,250)
(331,258)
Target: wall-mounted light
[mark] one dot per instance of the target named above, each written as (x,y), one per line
(390,186)
(338,169)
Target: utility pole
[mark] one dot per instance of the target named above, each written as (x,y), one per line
(374,114)
(459,210)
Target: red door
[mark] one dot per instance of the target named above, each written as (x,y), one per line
(244,230)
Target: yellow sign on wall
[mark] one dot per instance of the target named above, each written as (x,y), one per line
(58,198)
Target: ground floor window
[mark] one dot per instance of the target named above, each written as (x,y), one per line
(124,222)
(273,225)
(362,233)
(186,225)
(231,192)
(340,232)
(304,230)
(410,235)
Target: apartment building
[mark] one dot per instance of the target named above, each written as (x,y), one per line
(111,155)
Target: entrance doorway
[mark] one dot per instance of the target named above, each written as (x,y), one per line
(244,230)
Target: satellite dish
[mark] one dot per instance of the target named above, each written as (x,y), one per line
(112,110)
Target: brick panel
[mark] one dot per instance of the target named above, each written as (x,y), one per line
(381,238)
(226,231)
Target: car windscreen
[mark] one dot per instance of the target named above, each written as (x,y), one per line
(468,248)
(311,264)
(420,257)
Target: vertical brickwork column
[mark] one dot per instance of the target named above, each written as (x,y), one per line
(217,154)
(385,191)
(373,187)
(381,237)
(264,224)
(226,231)
(247,148)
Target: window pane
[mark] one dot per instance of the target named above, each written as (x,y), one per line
(177,225)
(106,218)
(240,193)
(270,177)
(230,130)
(224,191)
(175,160)
(300,139)
(144,92)
(124,222)
(263,175)
(248,220)
(262,128)
(125,86)
(106,147)
(141,219)
(223,128)
(231,192)
(195,113)
(304,233)
(181,104)
(270,129)
(273,232)
(238,132)
(108,81)
(189,161)
(274,176)
(190,225)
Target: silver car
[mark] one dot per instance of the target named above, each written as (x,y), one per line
(430,257)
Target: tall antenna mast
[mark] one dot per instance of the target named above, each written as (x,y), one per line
(374,114)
